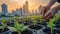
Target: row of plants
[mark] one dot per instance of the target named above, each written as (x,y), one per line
(19,25)
(16,28)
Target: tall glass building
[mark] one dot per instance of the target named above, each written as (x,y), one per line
(4,9)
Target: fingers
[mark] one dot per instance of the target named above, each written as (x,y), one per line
(48,15)
(43,11)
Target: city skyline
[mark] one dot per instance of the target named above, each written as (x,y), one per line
(14,4)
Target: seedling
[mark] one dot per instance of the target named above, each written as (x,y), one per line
(41,18)
(51,22)
(34,20)
(3,24)
(19,27)
(27,18)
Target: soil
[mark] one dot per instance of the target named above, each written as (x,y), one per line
(5,29)
(14,32)
(47,31)
(10,24)
(27,32)
(36,27)
(28,23)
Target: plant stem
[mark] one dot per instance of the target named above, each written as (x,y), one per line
(19,32)
(51,31)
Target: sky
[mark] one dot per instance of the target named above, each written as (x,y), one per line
(14,4)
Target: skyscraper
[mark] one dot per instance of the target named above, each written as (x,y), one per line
(23,10)
(19,12)
(36,12)
(13,12)
(26,7)
(39,9)
(33,12)
(4,9)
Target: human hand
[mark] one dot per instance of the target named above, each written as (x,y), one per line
(44,10)
(50,13)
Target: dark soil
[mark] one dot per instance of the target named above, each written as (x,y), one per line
(28,23)
(47,31)
(27,32)
(36,27)
(4,30)
(14,32)
(10,24)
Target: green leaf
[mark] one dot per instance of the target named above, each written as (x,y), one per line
(12,28)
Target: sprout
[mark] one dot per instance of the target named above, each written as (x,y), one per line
(51,22)
(41,18)
(34,20)
(27,18)
(3,24)
(19,27)
(57,17)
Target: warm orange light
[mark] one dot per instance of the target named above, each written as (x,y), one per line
(14,4)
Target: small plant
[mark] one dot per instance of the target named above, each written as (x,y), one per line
(41,18)
(35,26)
(57,17)
(34,18)
(20,19)
(34,22)
(51,22)
(3,27)
(27,18)
(3,24)
(19,27)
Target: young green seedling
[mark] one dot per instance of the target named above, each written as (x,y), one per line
(41,18)
(3,24)
(34,20)
(51,22)
(19,27)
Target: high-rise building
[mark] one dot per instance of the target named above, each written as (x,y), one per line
(36,12)
(19,12)
(23,9)
(32,12)
(4,9)
(13,12)
(26,8)
(39,9)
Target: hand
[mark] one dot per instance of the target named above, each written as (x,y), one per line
(50,13)
(44,10)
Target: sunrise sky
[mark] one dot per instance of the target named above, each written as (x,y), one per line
(14,4)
